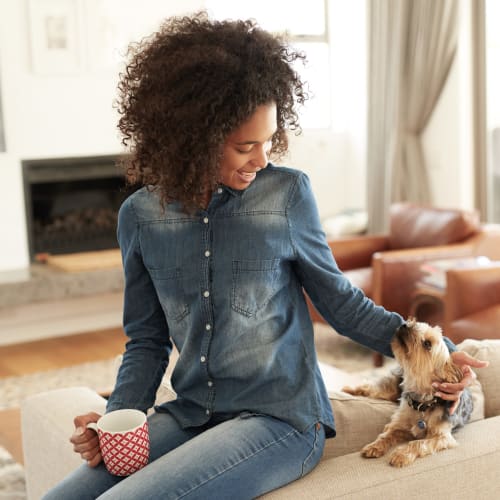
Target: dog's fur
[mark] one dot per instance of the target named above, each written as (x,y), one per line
(422,421)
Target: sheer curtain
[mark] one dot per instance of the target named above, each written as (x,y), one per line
(412,46)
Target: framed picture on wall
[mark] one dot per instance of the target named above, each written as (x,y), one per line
(55,32)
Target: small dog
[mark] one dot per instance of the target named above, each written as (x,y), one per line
(422,420)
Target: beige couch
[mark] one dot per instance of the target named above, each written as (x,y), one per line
(469,471)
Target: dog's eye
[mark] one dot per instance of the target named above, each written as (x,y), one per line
(427,344)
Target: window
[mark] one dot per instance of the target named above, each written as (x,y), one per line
(332,33)
(307,29)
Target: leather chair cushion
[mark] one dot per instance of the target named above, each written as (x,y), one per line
(480,325)
(414,226)
(362,278)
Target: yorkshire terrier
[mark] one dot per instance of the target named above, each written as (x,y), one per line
(422,421)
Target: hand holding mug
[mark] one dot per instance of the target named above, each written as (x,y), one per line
(123,439)
(85,441)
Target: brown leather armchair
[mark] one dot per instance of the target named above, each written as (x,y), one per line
(472,303)
(387,267)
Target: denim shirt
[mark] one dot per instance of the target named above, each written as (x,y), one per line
(226,285)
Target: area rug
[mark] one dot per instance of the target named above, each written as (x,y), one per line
(97,375)
(12,486)
(342,353)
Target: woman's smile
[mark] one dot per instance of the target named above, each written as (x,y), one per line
(247,148)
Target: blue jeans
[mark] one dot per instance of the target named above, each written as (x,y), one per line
(239,458)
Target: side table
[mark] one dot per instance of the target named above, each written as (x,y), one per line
(429,296)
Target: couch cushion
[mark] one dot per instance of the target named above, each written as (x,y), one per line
(414,226)
(358,421)
(469,470)
(489,377)
(484,324)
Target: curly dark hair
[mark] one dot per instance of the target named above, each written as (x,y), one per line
(187,87)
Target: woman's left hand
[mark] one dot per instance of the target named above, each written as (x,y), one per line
(452,392)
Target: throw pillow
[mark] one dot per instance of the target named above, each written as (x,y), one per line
(488,350)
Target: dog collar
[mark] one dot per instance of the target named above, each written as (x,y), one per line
(424,405)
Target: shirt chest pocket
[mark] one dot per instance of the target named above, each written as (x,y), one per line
(169,287)
(254,283)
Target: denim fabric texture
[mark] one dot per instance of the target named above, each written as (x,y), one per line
(225,285)
(237,458)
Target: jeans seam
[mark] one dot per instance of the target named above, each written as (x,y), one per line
(237,463)
(313,449)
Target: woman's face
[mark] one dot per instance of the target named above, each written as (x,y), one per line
(247,148)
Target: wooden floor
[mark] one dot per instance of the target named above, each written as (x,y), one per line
(50,354)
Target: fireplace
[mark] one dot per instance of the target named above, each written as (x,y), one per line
(72,203)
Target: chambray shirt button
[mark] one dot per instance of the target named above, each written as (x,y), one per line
(207,411)
(203,359)
(207,253)
(208,326)
(210,383)
(219,191)
(206,293)
(205,220)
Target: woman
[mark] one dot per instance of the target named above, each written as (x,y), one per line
(217,249)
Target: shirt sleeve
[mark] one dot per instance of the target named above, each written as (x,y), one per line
(343,306)
(449,344)
(148,349)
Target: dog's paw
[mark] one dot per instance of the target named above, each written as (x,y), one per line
(362,390)
(373,450)
(401,457)
(349,390)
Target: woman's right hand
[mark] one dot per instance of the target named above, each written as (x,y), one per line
(85,440)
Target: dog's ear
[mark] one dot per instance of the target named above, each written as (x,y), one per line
(411,322)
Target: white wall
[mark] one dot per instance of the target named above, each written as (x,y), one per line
(335,166)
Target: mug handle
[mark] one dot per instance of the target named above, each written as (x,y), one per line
(92,425)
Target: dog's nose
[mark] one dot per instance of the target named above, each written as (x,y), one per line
(402,333)
(403,330)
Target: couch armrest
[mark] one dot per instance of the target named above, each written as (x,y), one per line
(357,251)
(471,290)
(396,272)
(46,426)
(487,241)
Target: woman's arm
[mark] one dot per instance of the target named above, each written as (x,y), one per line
(343,306)
(148,350)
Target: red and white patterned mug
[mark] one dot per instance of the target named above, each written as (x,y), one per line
(124,440)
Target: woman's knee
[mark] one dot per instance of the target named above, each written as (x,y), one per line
(82,484)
